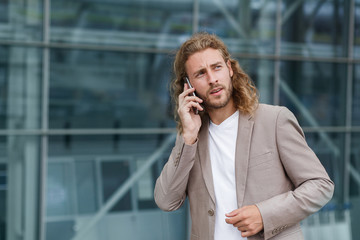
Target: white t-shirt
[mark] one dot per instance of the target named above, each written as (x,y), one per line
(222,143)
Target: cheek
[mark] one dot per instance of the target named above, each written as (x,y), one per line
(200,86)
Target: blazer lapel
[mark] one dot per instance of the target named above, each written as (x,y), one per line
(205,161)
(242,152)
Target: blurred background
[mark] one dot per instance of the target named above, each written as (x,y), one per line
(86,119)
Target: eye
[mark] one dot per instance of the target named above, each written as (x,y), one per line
(200,74)
(218,67)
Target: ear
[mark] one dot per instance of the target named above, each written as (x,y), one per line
(228,63)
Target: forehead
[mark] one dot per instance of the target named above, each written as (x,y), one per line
(203,58)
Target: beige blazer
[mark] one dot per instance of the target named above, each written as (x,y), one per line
(274,168)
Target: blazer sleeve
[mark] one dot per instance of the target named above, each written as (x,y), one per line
(312,185)
(170,187)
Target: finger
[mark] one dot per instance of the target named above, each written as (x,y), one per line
(246,234)
(193,105)
(193,99)
(233,213)
(186,86)
(242,224)
(185,93)
(242,229)
(199,107)
(233,220)
(188,91)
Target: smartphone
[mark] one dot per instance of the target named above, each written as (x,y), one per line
(196,111)
(189,84)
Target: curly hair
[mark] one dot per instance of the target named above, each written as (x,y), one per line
(244,94)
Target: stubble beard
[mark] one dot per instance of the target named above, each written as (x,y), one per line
(214,104)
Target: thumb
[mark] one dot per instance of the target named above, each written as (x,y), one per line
(233,213)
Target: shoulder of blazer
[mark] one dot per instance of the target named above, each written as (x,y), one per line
(266,111)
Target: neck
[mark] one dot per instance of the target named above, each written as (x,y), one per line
(218,115)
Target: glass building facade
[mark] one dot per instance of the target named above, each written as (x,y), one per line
(86,118)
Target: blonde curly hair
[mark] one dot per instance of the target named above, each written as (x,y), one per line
(244,94)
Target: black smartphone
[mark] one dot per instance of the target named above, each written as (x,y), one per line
(189,84)
(196,111)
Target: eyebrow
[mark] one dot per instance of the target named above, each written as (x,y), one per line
(211,65)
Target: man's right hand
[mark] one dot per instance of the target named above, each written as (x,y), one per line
(190,121)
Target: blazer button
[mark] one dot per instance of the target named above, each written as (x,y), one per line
(211,212)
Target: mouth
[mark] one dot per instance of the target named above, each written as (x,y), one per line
(215,91)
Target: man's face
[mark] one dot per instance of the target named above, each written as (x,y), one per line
(211,76)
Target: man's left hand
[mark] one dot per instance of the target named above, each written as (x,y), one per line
(247,219)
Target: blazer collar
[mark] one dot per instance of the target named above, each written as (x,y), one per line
(204,156)
(242,152)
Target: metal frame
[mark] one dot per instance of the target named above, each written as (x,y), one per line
(145,131)
(44,119)
(349,94)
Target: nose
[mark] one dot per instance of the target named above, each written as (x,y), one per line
(212,77)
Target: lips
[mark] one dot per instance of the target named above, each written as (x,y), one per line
(215,90)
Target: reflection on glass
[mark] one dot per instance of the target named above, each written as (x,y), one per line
(141,23)
(261,73)
(4,11)
(357,30)
(314,28)
(21,20)
(59,193)
(113,174)
(355,183)
(61,230)
(356,97)
(90,89)
(315,92)
(329,147)
(245,26)
(19,182)
(146,185)
(20,88)
(3,195)
(84,172)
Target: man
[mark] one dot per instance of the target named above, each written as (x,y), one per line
(245,167)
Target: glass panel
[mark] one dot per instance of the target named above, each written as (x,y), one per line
(20,88)
(3,190)
(146,185)
(113,175)
(136,23)
(91,89)
(84,171)
(246,26)
(315,92)
(356,97)
(329,147)
(71,187)
(19,186)
(262,74)
(86,193)
(62,230)
(355,185)
(21,20)
(314,28)
(357,30)
(60,189)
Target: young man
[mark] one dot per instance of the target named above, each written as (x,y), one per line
(245,167)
